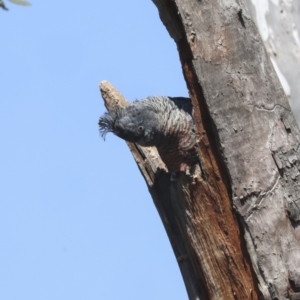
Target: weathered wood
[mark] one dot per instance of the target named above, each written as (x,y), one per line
(241,108)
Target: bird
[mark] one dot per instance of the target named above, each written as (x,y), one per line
(160,121)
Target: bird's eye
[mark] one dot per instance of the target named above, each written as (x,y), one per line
(141,128)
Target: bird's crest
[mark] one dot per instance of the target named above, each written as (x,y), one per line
(107,121)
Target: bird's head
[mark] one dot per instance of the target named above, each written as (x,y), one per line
(131,124)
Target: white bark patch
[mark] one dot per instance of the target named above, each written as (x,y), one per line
(279,26)
(262,8)
(275,2)
(282,79)
(296,35)
(288,2)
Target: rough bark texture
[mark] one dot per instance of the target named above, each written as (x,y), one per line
(234,87)
(234,222)
(278,22)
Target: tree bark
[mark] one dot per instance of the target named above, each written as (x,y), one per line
(279,26)
(234,222)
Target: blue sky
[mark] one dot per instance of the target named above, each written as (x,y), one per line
(76,219)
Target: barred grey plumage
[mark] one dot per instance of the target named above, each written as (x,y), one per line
(164,122)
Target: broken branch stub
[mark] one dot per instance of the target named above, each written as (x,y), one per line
(146,158)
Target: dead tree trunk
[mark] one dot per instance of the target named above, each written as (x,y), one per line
(234,222)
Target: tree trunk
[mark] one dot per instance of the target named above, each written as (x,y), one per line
(234,222)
